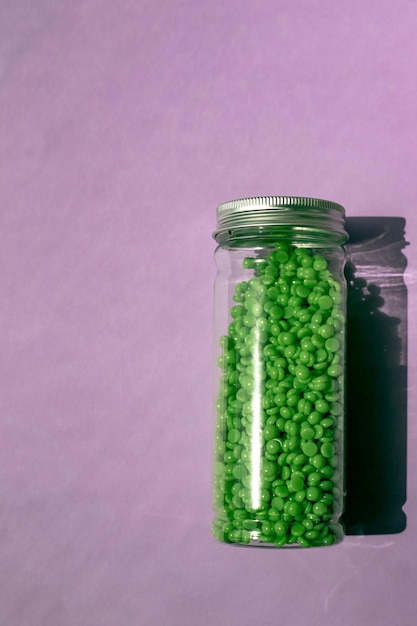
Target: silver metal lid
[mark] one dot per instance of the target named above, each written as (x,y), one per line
(296,211)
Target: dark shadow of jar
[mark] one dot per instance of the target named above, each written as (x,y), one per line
(376,377)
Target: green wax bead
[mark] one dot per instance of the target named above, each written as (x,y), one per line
(317,340)
(291,457)
(233,436)
(308,524)
(267,527)
(295,302)
(303,332)
(286,472)
(290,351)
(273,373)
(310,283)
(237,311)
(318,461)
(297,529)
(319,367)
(305,406)
(288,312)
(314,418)
(304,357)
(296,483)
(293,443)
(292,539)
(280,529)
(336,408)
(313,493)
(311,534)
(319,263)
(293,508)
(300,459)
(299,495)
(282,459)
(326,331)
(280,541)
(292,428)
(336,296)
(332,344)
(298,418)
(327,450)
(276,312)
(241,395)
(305,260)
(248,263)
(286,412)
(281,256)
(314,479)
(320,383)
(320,509)
(268,279)
(288,338)
(267,401)
(303,373)
(321,406)
(240,514)
(302,291)
(326,485)
(325,302)
(309,448)
(321,356)
(269,470)
(334,370)
(292,400)
(237,502)
(310,274)
(249,320)
(275,330)
(280,399)
(235,536)
(328,540)
(306,344)
(307,433)
(263,325)
(274,515)
(218,468)
(272,293)
(270,432)
(270,457)
(327,498)
(270,351)
(303,315)
(273,446)
(327,422)
(228,457)
(281,491)
(250,300)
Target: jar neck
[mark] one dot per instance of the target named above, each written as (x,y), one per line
(265,236)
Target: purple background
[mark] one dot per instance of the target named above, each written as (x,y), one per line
(123,125)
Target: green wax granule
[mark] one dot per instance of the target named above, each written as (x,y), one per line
(278,439)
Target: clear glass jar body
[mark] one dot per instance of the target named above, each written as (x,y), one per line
(278,471)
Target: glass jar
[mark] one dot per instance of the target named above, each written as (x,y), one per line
(280,300)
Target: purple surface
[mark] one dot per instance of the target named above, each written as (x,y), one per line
(122,126)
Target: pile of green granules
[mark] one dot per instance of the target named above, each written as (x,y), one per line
(278,444)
